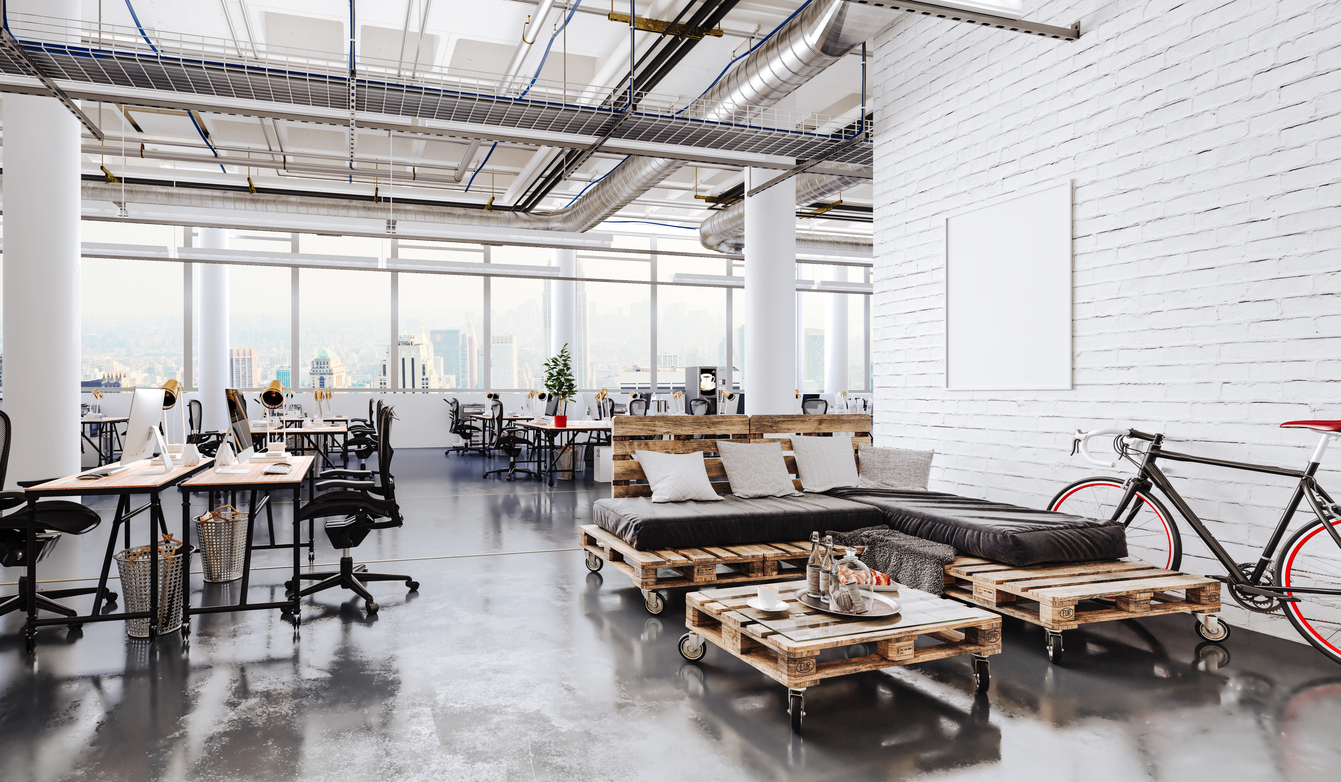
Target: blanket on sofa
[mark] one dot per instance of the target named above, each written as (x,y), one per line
(995,530)
(915,562)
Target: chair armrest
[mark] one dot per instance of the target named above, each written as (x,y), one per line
(341,472)
(30,484)
(12,499)
(338,483)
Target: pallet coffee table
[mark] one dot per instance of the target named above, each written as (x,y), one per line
(786,647)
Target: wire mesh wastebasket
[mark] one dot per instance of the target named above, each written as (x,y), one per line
(222,534)
(134,566)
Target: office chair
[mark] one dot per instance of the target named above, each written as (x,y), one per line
(54,517)
(814,406)
(638,406)
(511,440)
(355,502)
(698,406)
(607,408)
(469,432)
(205,442)
(362,440)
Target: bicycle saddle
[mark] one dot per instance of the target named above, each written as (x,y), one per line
(1317,426)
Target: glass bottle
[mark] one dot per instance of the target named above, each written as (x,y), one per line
(850,587)
(826,566)
(813,567)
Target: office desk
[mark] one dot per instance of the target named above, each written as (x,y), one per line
(254,481)
(108,436)
(562,439)
(311,438)
(122,485)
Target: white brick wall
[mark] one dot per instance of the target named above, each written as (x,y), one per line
(1204,140)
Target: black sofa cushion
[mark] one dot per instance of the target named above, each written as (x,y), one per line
(994,530)
(734,521)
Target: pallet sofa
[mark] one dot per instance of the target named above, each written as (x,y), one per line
(1034,565)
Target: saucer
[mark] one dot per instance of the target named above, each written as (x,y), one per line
(756,605)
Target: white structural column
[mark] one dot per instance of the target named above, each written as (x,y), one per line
(563,303)
(41,276)
(770,296)
(213,309)
(836,336)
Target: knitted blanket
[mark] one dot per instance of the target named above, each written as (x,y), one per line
(911,561)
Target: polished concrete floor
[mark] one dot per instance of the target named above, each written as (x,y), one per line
(513,662)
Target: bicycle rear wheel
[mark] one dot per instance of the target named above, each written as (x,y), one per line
(1152,535)
(1311,558)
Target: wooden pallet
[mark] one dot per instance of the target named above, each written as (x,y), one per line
(1049,595)
(720,616)
(696,567)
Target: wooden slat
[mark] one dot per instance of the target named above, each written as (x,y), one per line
(809,424)
(627,447)
(786,442)
(632,425)
(1002,578)
(1083,592)
(631,470)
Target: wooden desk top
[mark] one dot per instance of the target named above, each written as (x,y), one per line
(107,419)
(127,481)
(506,417)
(574,426)
(299,466)
(325,429)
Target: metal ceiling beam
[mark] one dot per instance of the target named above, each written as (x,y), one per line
(987,20)
(16,51)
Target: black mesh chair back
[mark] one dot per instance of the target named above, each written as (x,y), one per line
(552,405)
(638,406)
(195,413)
(384,455)
(698,406)
(454,405)
(607,408)
(814,406)
(5,429)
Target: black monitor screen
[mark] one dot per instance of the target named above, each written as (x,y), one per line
(238,425)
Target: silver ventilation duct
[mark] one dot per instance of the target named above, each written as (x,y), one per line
(725,230)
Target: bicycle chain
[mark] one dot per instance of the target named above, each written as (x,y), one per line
(1257,603)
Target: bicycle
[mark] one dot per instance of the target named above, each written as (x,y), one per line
(1305,579)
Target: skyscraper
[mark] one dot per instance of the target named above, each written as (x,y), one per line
(328,371)
(242,368)
(503,356)
(447,346)
(814,359)
(285,376)
(416,364)
(471,360)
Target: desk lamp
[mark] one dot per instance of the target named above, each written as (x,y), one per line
(172,394)
(272,399)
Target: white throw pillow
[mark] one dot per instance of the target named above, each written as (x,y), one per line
(676,477)
(825,462)
(756,469)
(894,468)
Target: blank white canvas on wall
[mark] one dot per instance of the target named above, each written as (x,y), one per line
(1008,293)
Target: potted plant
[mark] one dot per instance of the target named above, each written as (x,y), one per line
(560,384)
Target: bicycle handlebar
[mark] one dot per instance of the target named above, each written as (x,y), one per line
(1082,441)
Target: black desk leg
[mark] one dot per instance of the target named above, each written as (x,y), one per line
(186,568)
(155,518)
(119,518)
(311,522)
(297,566)
(246,556)
(30,632)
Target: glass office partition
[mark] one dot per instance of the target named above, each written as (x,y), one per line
(344,325)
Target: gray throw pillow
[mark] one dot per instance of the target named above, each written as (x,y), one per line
(825,463)
(756,470)
(894,468)
(677,477)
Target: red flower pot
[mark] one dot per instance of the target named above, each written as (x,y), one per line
(561,421)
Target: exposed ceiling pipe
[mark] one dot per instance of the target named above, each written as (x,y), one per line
(466,160)
(725,230)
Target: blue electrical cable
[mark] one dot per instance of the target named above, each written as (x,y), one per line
(762,41)
(543,57)
(190,115)
(597,181)
(649,222)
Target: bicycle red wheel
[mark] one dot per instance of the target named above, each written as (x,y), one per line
(1312,559)
(1152,535)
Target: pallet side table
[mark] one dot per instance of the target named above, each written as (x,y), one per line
(1050,595)
(786,648)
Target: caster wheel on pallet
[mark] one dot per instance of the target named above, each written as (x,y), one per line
(796,707)
(413,586)
(1055,648)
(1210,628)
(692,647)
(655,603)
(372,607)
(594,563)
(982,675)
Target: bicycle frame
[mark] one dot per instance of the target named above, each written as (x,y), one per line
(1307,488)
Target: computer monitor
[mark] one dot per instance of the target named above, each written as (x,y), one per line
(239,428)
(146,411)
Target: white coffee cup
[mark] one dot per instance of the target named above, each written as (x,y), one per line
(768,596)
